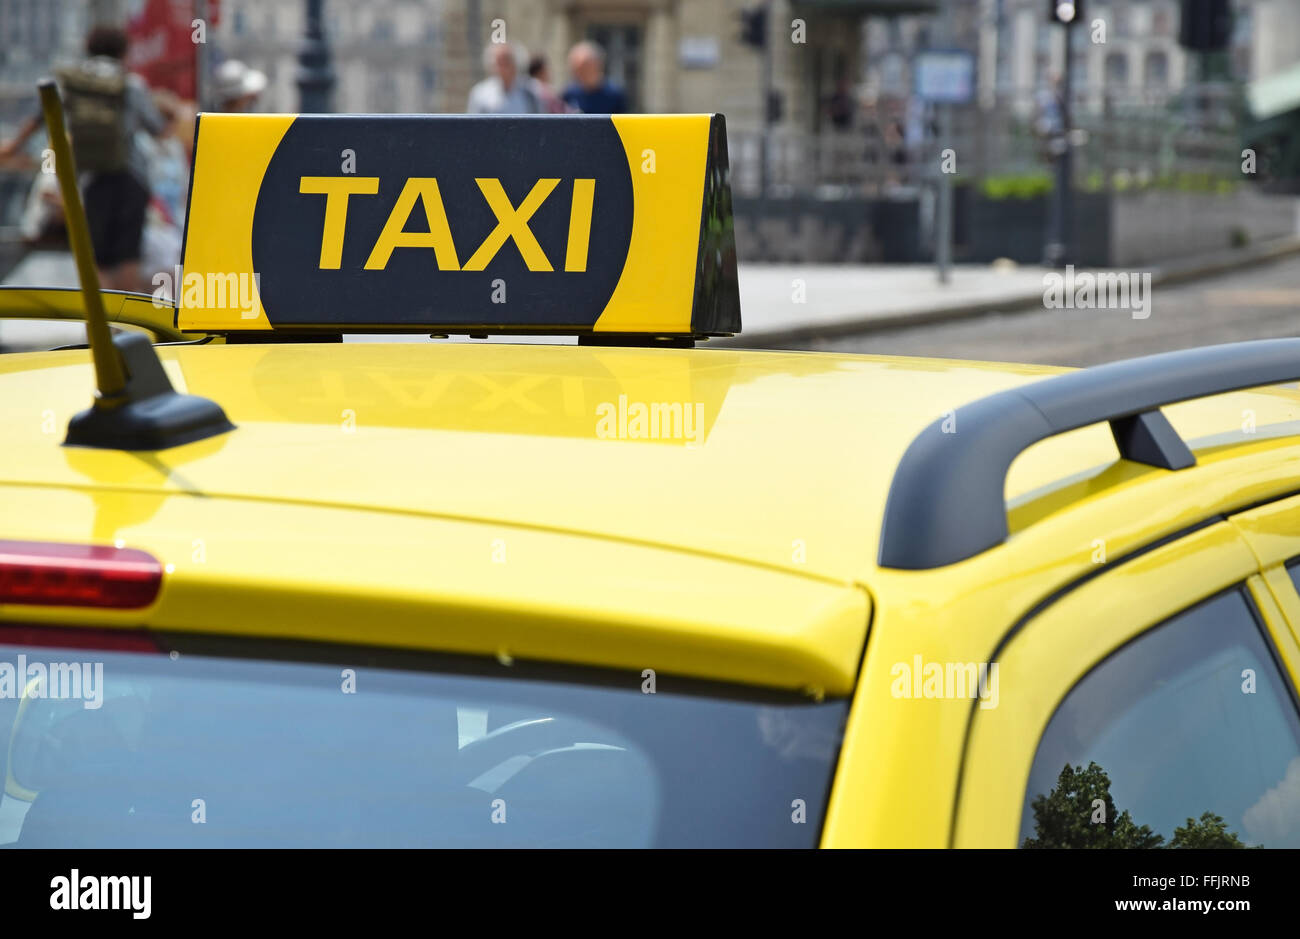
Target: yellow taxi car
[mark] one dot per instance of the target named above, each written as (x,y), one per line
(275,590)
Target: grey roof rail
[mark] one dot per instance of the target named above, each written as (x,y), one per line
(947,500)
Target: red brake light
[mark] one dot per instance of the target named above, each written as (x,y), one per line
(46,574)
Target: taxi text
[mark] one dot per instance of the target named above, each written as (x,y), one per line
(511,222)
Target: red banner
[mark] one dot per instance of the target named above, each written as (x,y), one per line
(163,43)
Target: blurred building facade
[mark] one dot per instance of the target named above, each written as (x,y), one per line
(1134,54)
(388,55)
(679,55)
(33,35)
(674,55)
(669,55)
(842,71)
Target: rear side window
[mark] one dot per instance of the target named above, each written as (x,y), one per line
(1185,737)
(219,748)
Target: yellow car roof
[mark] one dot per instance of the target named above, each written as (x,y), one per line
(789,450)
(368,488)
(785,460)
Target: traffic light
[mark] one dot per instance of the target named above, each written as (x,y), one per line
(1206,26)
(1065,12)
(753,26)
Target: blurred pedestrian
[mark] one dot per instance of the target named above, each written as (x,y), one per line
(12,150)
(590,91)
(42,219)
(238,86)
(539,74)
(169,172)
(106,108)
(895,144)
(169,164)
(42,224)
(841,105)
(504,91)
(1049,119)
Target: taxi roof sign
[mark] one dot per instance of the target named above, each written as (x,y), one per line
(594,225)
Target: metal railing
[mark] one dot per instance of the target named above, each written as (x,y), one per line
(1121,141)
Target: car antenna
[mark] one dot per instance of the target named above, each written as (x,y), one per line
(135,406)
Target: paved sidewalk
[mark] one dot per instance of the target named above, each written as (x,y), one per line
(850,299)
(782,303)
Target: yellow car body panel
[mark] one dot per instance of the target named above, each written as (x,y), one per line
(1054,651)
(495,499)
(791,451)
(259,568)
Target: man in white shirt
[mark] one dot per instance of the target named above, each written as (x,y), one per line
(503,91)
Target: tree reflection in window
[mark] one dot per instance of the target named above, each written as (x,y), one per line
(1080,813)
(1188,735)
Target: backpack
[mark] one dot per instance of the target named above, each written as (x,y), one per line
(94,104)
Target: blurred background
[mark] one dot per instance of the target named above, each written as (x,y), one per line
(902,169)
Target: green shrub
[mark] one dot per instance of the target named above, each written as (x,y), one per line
(1021,186)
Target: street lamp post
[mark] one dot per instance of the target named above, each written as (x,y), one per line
(315,72)
(1068,13)
(943,228)
(755,31)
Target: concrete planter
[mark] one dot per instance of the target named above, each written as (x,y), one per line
(806,230)
(1154,226)
(1123,230)
(1017,229)
(1128,230)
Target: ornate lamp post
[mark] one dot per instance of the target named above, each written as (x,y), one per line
(315,72)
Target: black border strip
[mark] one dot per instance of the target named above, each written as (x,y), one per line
(185,233)
(402,658)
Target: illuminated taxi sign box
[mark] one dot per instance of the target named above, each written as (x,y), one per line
(542,224)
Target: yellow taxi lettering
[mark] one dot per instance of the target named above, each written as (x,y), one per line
(512,222)
(336,190)
(584,191)
(394,235)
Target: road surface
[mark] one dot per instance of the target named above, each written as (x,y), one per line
(1254,303)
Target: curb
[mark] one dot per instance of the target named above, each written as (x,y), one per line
(1224,262)
(1190,269)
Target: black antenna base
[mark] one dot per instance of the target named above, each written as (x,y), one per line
(152,415)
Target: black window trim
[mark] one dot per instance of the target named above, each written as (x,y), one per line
(426,661)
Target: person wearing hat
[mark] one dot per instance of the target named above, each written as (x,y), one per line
(236,86)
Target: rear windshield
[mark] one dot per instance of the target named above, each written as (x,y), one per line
(216,744)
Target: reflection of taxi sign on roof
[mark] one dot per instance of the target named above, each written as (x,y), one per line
(532,224)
